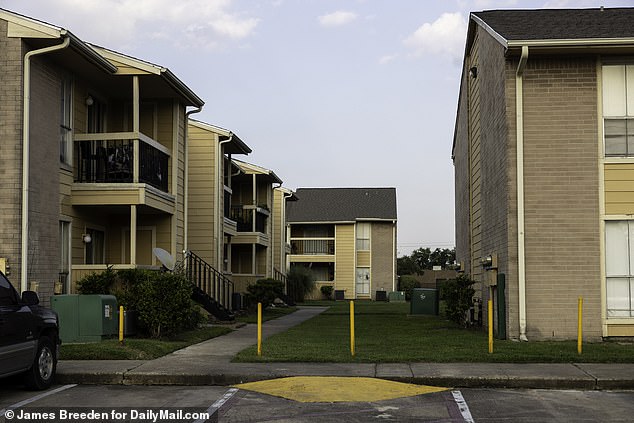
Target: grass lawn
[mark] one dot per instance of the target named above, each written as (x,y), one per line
(267,314)
(137,348)
(385,333)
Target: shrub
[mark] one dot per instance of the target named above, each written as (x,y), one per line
(265,291)
(407,284)
(458,296)
(326,290)
(301,282)
(97,283)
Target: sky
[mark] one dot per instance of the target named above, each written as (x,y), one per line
(345,93)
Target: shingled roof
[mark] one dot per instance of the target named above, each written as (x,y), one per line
(560,24)
(342,205)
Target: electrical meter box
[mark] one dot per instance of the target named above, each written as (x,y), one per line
(86,318)
(424,301)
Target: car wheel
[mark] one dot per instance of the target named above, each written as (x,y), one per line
(42,373)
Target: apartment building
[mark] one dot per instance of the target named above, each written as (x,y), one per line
(347,237)
(93,161)
(544,171)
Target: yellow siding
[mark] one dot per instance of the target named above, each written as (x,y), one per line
(202,201)
(619,188)
(363,259)
(620,330)
(277,229)
(344,261)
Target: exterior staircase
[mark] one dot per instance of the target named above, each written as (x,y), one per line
(212,290)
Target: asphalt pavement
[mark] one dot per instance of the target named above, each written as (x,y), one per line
(209,363)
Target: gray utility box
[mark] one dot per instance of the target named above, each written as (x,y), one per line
(424,301)
(86,318)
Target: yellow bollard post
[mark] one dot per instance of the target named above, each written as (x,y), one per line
(121,323)
(490,306)
(259,328)
(579,325)
(352,328)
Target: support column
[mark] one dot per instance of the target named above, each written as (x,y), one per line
(135,127)
(133,235)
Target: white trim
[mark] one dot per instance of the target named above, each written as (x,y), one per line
(500,39)
(601,162)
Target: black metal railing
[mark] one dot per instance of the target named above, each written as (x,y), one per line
(244,219)
(112,161)
(313,246)
(209,280)
(153,166)
(279,276)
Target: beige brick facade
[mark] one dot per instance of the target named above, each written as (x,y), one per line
(561,183)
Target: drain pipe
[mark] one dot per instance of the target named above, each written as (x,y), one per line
(26,118)
(186,181)
(220,179)
(521,257)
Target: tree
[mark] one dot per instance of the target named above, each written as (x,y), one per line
(423,259)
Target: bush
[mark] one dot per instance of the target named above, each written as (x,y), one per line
(162,300)
(97,283)
(301,282)
(326,290)
(408,283)
(458,297)
(265,291)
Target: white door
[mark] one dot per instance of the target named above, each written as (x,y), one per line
(363,281)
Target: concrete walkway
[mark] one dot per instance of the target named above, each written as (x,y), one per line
(209,363)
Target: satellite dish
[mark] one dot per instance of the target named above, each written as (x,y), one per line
(165,258)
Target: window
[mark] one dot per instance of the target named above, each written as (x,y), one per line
(618,110)
(66,138)
(95,248)
(363,237)
(64,263)
(619,268)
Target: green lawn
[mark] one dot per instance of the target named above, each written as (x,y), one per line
(268,314)
(137,348)
(385,333)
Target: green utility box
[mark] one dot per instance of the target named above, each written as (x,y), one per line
(424,301)
(86,318)
(396,297)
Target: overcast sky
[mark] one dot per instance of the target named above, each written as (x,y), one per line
(344,93)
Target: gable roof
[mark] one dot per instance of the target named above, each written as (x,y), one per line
(251,169)
(342,205)
(599,24)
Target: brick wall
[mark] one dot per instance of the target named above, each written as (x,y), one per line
(561,196)
(382,257)
(11,146)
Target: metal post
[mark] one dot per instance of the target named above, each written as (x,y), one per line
(259,329)
(490,323)
(579,325)
(352,328)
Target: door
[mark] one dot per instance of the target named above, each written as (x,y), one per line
(363,282)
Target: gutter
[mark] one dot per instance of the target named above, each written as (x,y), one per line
(26,119)
(521,253)
(220,180)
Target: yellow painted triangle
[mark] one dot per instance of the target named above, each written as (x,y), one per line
(337,389)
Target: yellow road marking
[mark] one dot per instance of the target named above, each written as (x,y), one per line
(337,389)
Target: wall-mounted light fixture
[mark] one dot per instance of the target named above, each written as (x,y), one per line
(86,238)
(473,72)
(90,101)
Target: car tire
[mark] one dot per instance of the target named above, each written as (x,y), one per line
(41,374)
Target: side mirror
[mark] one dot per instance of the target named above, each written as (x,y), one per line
(30,298)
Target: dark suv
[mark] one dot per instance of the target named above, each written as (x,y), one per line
(29,337)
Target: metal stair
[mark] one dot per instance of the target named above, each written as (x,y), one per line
(212,290)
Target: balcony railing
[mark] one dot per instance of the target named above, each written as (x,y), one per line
(313,246)
(110,158)
(244,217)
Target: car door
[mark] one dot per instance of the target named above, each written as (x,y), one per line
(17,338)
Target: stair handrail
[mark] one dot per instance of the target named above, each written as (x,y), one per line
(208,279)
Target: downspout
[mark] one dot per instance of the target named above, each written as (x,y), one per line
(186,182)
(221,179)
(26,117)
(521,257)
(394,256)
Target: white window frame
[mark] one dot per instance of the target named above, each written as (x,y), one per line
(619,273)
(618,106)
(363,236)
(66,121)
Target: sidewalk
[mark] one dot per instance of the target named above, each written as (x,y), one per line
(209,363)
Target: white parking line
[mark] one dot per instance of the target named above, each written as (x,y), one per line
(35,398)
(216,405)
(462,406)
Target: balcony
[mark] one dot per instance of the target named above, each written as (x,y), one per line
(313,246)
(111,158)
(243,215)
(122,168)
